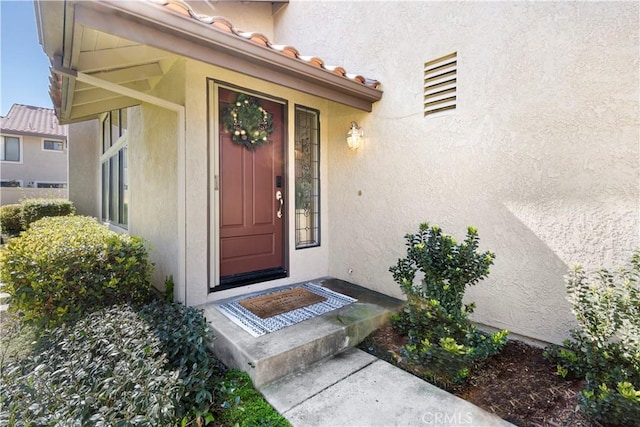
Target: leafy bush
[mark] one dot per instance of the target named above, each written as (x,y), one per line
(34,209)
(106,369)
(63,267)
(130,366)
(10,220)
(185,335)
(605,348)
(441,337)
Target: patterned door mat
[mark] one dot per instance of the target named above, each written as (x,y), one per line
(280,302)
(246,311)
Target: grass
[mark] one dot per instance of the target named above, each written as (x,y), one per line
(254,411)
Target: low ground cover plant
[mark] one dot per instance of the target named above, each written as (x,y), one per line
(441,337)
(63,267)
(605,347)
(106,368)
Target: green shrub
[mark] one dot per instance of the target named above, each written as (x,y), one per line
(34,209)
(605,348)
(185,335)
(441,337)
(10,220)
(106,369)
(63,267)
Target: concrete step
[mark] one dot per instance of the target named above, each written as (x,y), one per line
(293,349)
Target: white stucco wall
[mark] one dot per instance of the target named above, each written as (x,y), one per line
(84,170)
(541,155)
(153,209)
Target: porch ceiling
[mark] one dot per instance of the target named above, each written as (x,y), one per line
(115,60)
(132,44)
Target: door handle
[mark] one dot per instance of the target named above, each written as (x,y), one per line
(281,199)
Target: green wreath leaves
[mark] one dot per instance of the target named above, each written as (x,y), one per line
(249,124)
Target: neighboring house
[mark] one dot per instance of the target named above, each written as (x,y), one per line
(33,153)
(518,118)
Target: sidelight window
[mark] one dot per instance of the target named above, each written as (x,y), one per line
(307,177)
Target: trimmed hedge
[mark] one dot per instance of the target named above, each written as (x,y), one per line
(35,209)
(10,220)
(63,267)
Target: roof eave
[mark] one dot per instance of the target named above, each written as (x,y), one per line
(151,24)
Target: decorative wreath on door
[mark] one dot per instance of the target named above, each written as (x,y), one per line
(249,124)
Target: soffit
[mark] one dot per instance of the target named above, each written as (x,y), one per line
(134,43)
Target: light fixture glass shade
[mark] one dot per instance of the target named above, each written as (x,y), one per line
(354,136)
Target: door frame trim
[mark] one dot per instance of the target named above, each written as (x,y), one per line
(213,200)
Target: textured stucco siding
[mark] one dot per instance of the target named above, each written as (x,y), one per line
(153,209)
(541,155)
(84,170)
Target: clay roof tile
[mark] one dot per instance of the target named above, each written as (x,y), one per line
(223,24)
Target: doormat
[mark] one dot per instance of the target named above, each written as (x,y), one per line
(280,302)
(257,326)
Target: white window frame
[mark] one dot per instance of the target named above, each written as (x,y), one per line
(48,150)
(12,162)
(35,185)
(105,157)
(19,181)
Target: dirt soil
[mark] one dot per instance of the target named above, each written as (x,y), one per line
(518,384)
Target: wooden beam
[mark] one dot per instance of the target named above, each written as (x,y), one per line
(93,109)
(122,57)
(125,75)
(96,94)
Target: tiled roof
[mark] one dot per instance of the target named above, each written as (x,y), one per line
(26,119)
(222,24)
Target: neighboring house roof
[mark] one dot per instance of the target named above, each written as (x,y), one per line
(133,44)
(30,120)
(223,24)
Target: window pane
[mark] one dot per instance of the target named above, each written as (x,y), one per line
(106,133)
(115,126)
(123,191)
(51,185)
(105,191)
(11,152)
(113,185)
(123,121)
(307,177)
(53,145)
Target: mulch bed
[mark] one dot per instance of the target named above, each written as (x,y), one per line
(519,384)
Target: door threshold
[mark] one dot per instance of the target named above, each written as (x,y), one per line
(242,279)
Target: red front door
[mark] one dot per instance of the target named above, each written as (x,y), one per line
(252,214)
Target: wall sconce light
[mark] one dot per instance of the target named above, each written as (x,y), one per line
(354,136)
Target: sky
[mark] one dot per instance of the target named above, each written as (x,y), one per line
(24,68)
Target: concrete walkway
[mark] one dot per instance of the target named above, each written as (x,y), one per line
(354,388)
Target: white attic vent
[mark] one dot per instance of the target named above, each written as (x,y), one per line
(440,80)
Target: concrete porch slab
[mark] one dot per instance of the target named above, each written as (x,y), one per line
(368,392)
(293,349)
